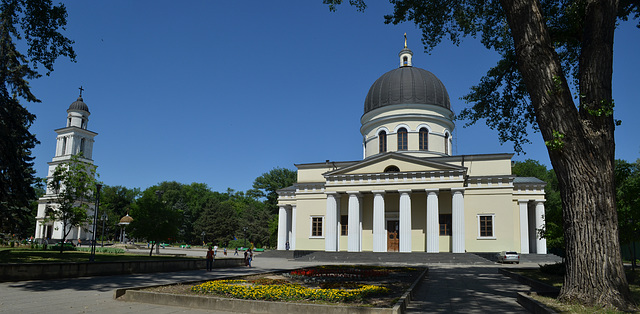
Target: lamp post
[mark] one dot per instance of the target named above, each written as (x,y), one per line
(104,218)
(245,237)
(92,257)
(202,234)
(159,195)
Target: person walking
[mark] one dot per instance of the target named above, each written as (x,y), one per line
(210,258)
(236,253)
(215,250)
(225,251)
(250,257)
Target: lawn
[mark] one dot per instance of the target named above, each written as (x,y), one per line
(557,281)
(26,255)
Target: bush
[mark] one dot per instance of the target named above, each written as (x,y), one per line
(108,250)
(557,269)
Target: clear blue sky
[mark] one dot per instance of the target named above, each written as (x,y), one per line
(219,92)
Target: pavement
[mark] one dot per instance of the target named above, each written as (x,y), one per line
(449,288)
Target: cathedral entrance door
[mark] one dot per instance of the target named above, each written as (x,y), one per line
(393,242)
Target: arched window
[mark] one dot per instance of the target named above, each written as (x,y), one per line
(423,141)
(446,143)
(402,139)
(382,141)
(82,146)
(64,146)
(392,168)
(405,60)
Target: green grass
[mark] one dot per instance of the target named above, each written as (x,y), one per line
(38,256)
(557,281)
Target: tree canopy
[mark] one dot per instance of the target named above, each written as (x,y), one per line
(35,25)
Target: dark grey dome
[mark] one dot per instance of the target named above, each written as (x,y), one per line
(407,85)
(79,105)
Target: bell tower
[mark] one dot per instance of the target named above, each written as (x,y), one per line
(72,139)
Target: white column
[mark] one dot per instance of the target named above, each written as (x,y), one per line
(379,230)
(541,244)
(282,227)
(524,226)
(457,217)
(289,223)
(355,222)
(292,238)
(433,226)
(331,222)
(405,220)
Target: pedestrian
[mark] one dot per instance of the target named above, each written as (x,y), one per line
(246,258)
(225,251)
(210,258)
(236,253)
(215,250)
(286,246)
(250,257)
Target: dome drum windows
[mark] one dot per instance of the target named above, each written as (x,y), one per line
(402,139)
(382,141)
(423,139)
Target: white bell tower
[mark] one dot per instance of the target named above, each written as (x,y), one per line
(73,139)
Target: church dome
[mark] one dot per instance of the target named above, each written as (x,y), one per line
(406,85)
(79,105)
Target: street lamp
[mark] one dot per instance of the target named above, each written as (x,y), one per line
(92,257)
(245,236)
(202,234)
(104,218)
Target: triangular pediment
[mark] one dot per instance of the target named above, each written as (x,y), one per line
(404,163)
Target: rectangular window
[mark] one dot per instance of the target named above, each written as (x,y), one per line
(485,225)
(445,224)
(316,226)
(344,225)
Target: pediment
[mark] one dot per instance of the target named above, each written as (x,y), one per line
(404,163)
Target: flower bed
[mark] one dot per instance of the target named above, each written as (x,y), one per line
(336,284)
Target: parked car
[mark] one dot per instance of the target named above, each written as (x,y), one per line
(509,257)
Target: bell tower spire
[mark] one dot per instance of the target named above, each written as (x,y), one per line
(405,54)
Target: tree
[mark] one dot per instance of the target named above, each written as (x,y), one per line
(628,202)
(268,183)
(74,185)
(153,218)
(548,47)
(219,221)
(116,201)
(37,22)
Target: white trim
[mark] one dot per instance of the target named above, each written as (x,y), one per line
(493,227)
(402,125)
(423,125)
(311,227)
(382,128)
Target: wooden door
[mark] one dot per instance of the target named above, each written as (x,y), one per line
(393,242)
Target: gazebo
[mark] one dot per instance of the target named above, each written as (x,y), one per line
(124,222)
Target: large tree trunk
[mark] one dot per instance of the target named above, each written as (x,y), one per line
(581,146)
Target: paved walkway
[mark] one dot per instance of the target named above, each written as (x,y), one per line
(448,289)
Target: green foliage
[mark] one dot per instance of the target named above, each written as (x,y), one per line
(108,250)
(74,186)
(35,24)
(557,143)
(627,200)
(268,183)
(115,201)
(219,221)
(154,218)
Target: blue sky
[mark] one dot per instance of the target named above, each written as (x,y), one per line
(219,92)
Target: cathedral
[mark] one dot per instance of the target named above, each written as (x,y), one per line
(410,193)
(73,139)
